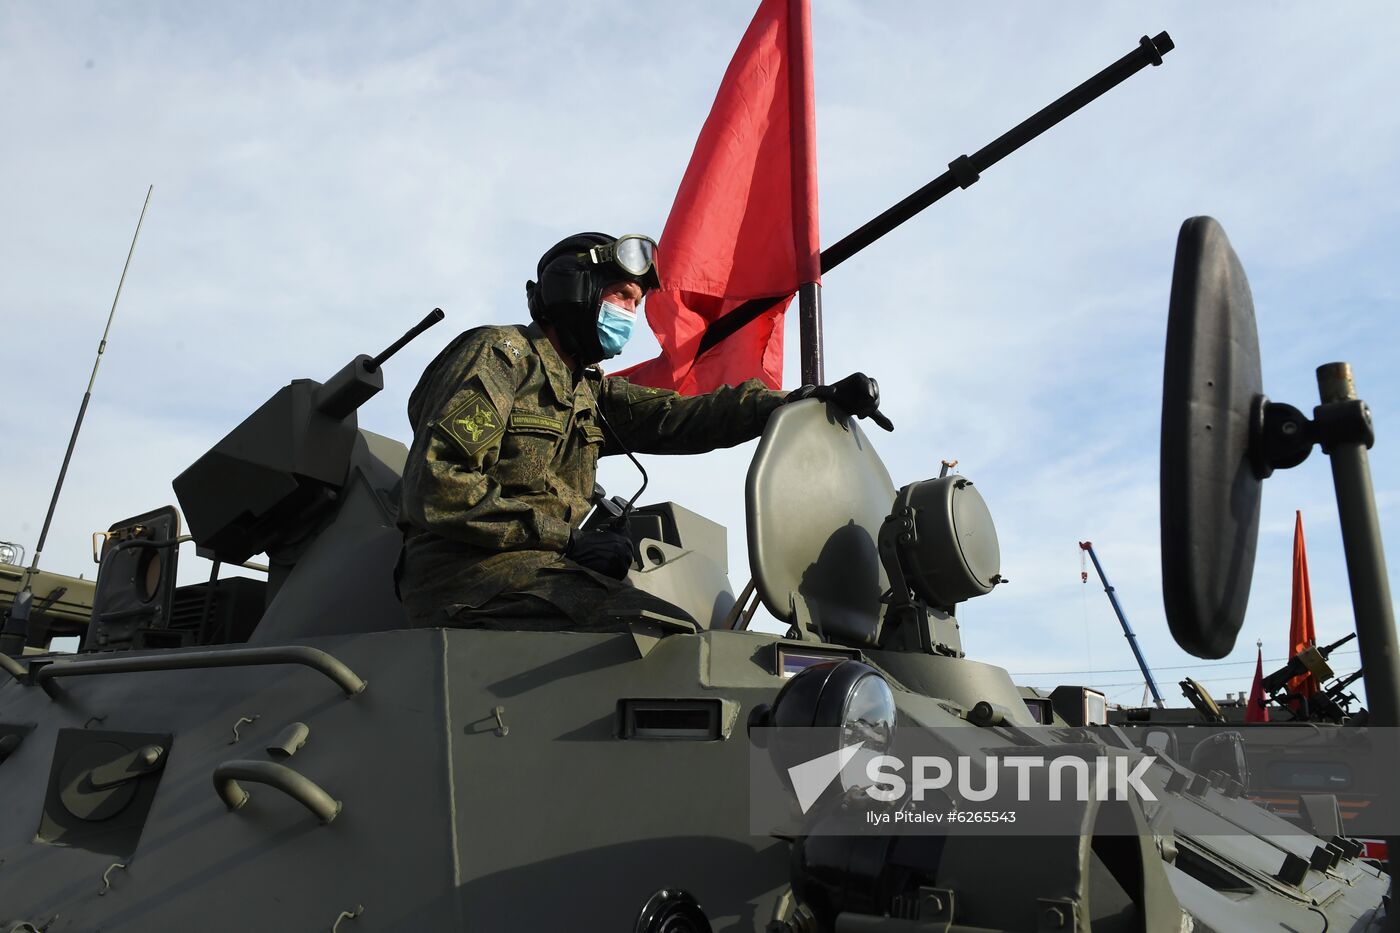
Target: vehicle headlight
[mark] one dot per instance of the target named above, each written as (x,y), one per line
(850,699)
(941,533)
(869,712)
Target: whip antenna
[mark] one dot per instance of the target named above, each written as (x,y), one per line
(17,625)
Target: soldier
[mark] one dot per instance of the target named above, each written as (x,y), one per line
(508,426)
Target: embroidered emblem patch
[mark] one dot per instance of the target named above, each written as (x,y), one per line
(473,425)
(527,419)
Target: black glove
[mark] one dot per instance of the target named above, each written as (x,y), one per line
(857,395)
(605,552)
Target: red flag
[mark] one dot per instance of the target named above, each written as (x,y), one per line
(1256,711)
(744,223)
(1301,632)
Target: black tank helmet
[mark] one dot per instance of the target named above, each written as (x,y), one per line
(570,279)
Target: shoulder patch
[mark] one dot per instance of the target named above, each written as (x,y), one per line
(473,425)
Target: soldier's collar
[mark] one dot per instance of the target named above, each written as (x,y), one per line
(561,380)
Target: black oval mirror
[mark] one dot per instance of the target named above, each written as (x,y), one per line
(1211,397)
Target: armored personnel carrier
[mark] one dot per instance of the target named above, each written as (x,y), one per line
(288,755)
(64,603)
(1296,762)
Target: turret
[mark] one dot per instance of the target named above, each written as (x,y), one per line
(275,478)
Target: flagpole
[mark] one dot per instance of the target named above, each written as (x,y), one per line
(809,309)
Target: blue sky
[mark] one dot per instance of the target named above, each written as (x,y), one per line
(326,173)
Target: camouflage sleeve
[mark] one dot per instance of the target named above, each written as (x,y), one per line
(659,421)
(458,416)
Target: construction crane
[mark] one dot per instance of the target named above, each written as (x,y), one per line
(1122,620)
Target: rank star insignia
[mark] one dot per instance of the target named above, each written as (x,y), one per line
(514,350)
(472,425)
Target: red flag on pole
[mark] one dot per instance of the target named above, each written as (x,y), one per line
(1301,631)
(744,223)
(1256,711)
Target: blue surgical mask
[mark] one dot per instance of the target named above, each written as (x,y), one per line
(614,328)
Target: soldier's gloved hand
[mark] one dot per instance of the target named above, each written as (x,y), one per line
(857,395)
(605,552)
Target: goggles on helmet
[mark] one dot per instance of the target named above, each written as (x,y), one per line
(634,254)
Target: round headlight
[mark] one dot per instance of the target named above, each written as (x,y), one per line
(869,721)
(849,698)
(869,713)
(947,544)
(832,695)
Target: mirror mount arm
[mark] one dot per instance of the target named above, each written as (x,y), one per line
(1347,421)
(1361,540)
(1282,436)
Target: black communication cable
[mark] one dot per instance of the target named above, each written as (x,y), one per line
(621,520)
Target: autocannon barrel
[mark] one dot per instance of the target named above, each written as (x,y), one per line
(361,379)
(356,383)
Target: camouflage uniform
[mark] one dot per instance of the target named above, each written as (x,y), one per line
(505,451)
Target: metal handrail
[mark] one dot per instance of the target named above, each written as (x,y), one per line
(314,658)
(12,667)
(280,777)
(98,536)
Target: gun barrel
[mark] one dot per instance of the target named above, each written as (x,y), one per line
(432,318)
(1342,683)
(1279,678)
(1336,644)
(1295,666)
(360,379)
(356,383)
